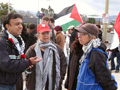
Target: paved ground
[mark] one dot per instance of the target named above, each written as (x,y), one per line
(117,75)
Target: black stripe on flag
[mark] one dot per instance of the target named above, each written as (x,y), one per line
(65,11)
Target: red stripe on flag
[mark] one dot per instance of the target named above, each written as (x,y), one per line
(117,26)
(75,15)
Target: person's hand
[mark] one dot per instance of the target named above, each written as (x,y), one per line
(31,66)
(34,60)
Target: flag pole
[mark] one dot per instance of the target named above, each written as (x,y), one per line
(105,24)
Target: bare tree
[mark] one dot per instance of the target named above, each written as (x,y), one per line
(48,12)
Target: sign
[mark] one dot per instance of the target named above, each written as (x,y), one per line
(40,15)
(105,18)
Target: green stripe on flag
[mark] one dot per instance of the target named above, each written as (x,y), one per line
(73,22)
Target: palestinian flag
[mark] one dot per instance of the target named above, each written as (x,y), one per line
(68,16)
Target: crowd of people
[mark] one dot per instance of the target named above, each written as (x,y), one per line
(39,51)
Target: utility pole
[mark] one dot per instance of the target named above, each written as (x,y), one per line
(105,20)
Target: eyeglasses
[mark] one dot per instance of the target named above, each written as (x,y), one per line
(81,34)
(44,33)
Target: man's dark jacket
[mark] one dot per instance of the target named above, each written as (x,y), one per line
(10,69)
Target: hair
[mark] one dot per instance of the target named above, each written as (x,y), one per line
(89,34)
(52,20)
(45,18)
(24,27)
(76,47)
(8,17)
(32,26)
(73,29)
(98,26)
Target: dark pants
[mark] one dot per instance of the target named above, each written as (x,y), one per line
(7,87)
(113,55)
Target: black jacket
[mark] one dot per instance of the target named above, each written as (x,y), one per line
(100,35)
(72,37)
(98,66)
(10,69)
(31,40)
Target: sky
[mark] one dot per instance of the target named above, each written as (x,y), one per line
(83,6)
